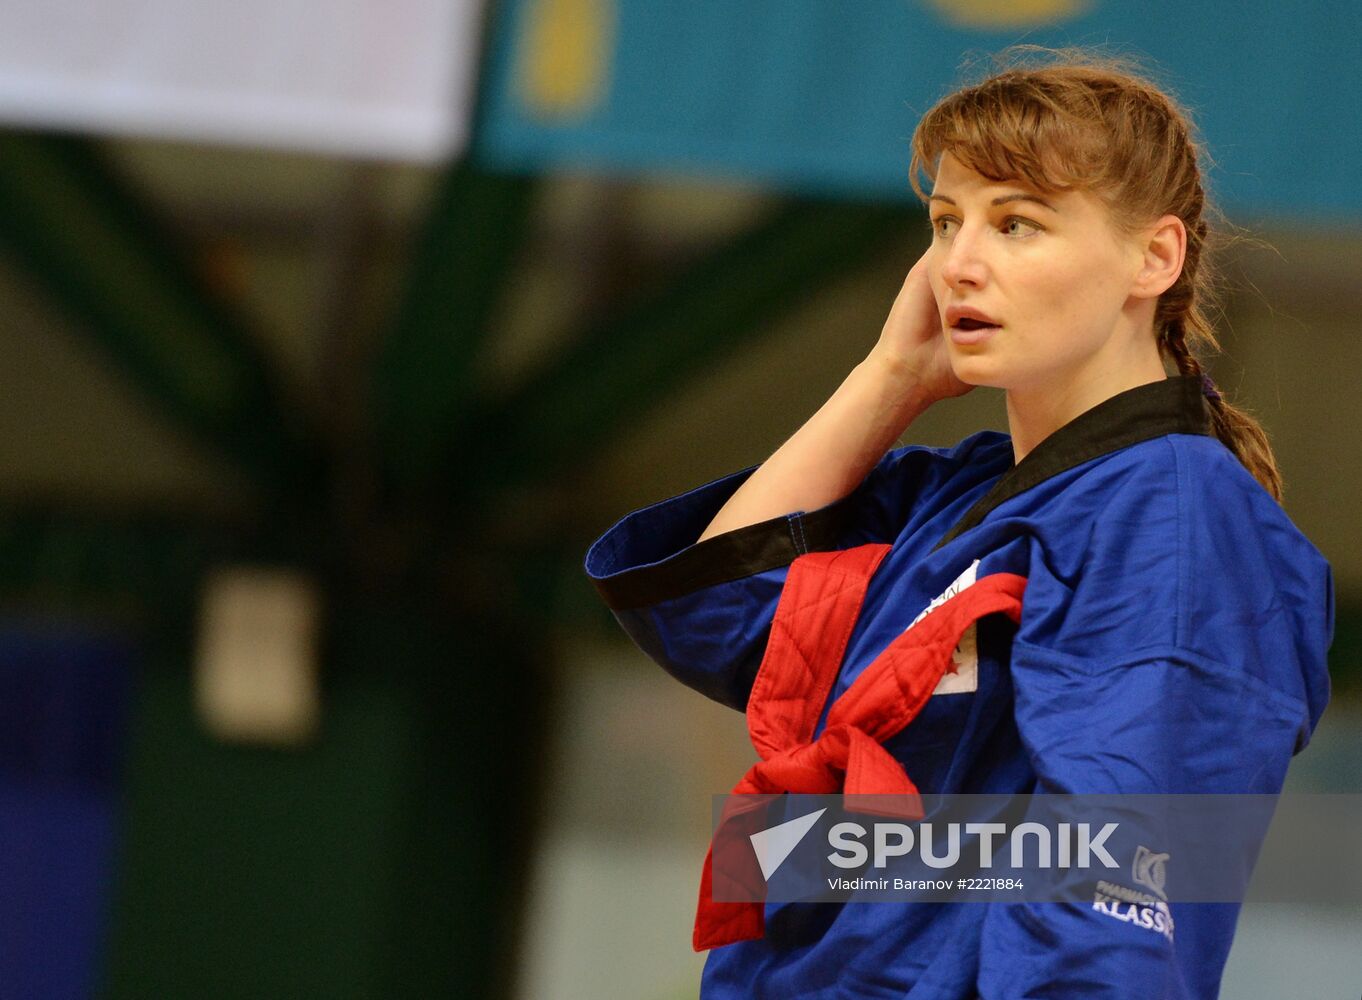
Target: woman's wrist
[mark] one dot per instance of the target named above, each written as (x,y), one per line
(833,451)
(898,381)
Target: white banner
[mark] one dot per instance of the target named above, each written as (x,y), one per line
(387,79)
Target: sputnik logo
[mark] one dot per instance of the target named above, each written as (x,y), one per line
(774,844)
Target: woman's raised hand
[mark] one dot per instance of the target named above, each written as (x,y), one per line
(912,343)
(835,450)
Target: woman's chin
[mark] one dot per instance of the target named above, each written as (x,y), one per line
(977,371)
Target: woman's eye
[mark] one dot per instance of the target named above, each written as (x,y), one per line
(1014,225)
(941,226)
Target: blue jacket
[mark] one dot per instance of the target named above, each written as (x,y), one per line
(1173,639)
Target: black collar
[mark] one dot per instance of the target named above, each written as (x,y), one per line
(1173,405)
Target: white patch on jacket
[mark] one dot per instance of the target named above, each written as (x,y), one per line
(965,677)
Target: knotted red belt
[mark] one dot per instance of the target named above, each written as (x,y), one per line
(817,610)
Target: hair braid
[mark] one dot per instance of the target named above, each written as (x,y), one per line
(1235,427)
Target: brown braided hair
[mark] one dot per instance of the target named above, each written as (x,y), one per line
(1062,119)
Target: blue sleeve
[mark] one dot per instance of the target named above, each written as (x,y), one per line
(1174,642)
(1160,720)
(703,610)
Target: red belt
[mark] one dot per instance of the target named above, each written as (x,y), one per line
(818,608)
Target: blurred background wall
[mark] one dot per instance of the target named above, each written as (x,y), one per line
(331,335)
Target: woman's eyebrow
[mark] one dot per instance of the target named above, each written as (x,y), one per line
(1002,199)
(1023,196)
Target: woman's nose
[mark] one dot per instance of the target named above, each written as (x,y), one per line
(964,264)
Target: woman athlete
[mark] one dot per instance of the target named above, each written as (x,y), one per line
(1135,612)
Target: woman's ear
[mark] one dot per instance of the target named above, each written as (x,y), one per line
(1164,246)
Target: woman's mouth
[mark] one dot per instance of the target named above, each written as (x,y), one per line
(971,329)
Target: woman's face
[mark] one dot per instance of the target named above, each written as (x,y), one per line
(1032,287)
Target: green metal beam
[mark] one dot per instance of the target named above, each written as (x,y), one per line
(122,567)
(612,375)
(423,382)
(466,247)
(87,241)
